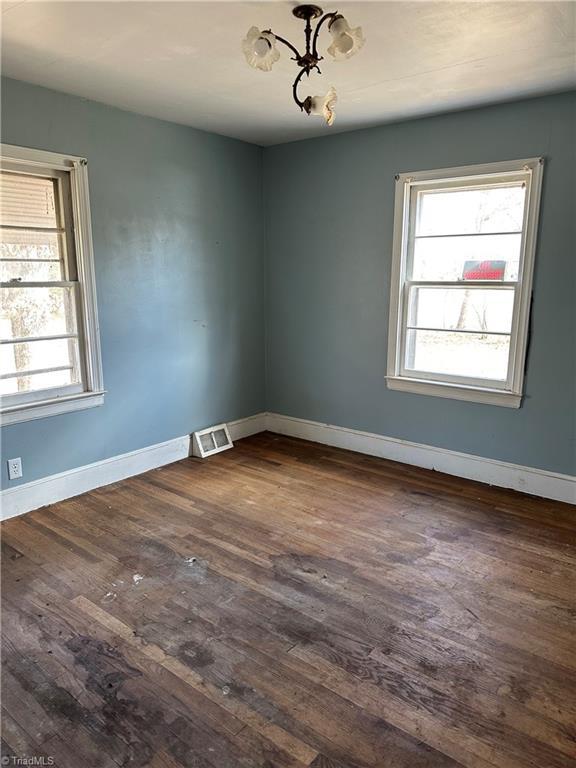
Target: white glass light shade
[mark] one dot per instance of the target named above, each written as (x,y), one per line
(260,49)
(345,41)
(323,106)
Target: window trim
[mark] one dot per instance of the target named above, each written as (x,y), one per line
(475,391)
(93,391)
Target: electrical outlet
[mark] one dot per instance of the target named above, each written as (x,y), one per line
(14,468)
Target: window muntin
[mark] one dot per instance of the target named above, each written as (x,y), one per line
(462,271)
(49,345)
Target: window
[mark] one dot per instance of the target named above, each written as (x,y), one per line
(464,241)
(49,345)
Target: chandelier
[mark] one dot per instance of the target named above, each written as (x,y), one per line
(261,53)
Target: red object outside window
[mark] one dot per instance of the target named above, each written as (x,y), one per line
(484,270)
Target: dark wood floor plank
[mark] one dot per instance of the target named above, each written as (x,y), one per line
(291,605)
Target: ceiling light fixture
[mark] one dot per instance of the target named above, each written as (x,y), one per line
(261,53)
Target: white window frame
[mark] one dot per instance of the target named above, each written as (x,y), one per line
(509,392)
(90,392)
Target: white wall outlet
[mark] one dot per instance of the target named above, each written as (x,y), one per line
(14,468)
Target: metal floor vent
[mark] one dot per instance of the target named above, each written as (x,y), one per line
(211,440)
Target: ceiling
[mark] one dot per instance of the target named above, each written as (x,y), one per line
(181,61)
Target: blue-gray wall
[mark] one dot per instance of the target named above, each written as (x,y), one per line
(177,225)
(329,212)
(183,239)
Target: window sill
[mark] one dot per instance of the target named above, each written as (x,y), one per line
(45,408)
(455,391)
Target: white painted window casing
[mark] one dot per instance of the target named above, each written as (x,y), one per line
(453,333)
(69,275)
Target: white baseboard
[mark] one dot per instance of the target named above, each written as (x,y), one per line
(251,425)
(48,490)
(538,482)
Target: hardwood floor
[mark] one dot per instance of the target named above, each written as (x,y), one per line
(284,605)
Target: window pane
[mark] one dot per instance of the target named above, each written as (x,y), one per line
(496,209)
(30,256)
(22,244)
(479,356)
(452,258)
(36,382)
(470,309)
(27,201)
(37,355)
(46,311)
(30,271)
